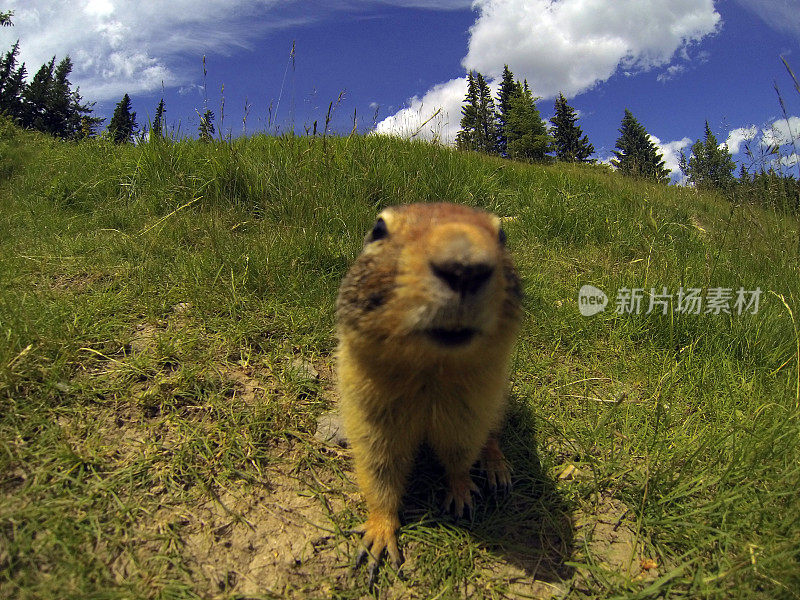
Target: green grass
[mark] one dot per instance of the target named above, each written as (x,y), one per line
(166,332)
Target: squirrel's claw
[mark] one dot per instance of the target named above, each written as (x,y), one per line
(459,496)
(497,474)
(495,465)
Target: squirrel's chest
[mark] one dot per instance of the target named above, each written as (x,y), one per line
(429,397)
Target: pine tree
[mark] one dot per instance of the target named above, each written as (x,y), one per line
(709,166)
(89,126)
(36,96)
(637,155)
(122,126)
(12,83)
(5,18)
(478,117)
(508,87)
(568,144)
(64,110)
(57,111)
(157,132)
(744,176)
(466,137)
(206,129)
(527,137)
(486,130)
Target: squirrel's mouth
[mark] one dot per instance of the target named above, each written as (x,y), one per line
(452,337)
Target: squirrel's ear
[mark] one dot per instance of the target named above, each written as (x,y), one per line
(379,231)
(498,224)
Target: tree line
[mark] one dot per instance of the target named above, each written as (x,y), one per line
(47,103)
(511,126)
(710,166)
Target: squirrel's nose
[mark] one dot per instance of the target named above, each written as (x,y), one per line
(462,278)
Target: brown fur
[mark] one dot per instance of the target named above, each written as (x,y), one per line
(401,380)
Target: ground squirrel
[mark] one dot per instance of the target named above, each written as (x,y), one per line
(426,318)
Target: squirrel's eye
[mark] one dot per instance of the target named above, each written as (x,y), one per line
(502,236)
(379,230)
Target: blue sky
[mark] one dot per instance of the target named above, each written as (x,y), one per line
(674,63)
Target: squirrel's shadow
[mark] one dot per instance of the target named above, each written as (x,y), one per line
(530,526)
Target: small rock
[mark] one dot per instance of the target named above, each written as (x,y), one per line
(305,368)
(330,430)
(181,307)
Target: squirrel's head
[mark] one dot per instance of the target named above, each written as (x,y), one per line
(434,275)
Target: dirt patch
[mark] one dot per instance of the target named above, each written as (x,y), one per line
(81,281)
(605,540)
(275,536)
(270,535)
(330,429)
(145,336)
(517,582)
(606,536)
(279,541)
(13,478)
(246,387)
(283,536)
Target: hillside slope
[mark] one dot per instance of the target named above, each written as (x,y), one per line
(166,330)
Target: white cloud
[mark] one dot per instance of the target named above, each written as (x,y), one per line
(134,46)
(568,46)
(739,136)
(781,15)
(572,45)
(102,8)
(672,155)
(430,4)
(781,132)
(671,73)
(192,88)
(434,116)
(120,46)
(606,160)
(775,144)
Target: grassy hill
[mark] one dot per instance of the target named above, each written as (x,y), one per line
(166,337)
